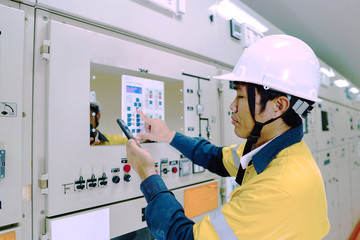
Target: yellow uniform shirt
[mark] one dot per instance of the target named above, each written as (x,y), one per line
(286,200)
(114,140)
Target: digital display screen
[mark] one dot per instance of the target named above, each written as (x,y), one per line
(132,89)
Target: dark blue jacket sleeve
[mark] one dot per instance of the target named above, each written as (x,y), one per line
(164,214)
(201,152)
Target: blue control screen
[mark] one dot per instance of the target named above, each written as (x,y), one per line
(132,89)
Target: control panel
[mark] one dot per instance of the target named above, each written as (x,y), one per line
(174,170)
(143,93)
(79,176)
(111,176)
(169,168)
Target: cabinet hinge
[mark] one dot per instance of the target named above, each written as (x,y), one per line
(45,50)
(43,183)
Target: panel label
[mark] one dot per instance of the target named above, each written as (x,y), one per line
(8,109)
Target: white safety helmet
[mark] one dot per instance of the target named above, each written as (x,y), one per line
(93,99)
(281,63)
(94,110)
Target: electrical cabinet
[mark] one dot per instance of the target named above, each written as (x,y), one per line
(11,85)
(325,132)
(78,50)
(106,222)
(341,124)
(160,25)
(79,176)
(326,161)
(353,126)
(353,150)
(357,126)
(344,192)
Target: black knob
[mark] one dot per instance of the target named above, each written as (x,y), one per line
(127,178)
(165,170)
(116,179)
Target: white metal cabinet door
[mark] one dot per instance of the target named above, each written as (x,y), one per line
(344,194)
(327,164)
(74,50)
(11,85)
(354,162)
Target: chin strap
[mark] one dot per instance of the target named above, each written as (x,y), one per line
(255,133)
(301,107)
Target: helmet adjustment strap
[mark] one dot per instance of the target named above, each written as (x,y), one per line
(301,107)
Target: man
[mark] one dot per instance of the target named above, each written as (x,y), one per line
(282,195)
(96,137)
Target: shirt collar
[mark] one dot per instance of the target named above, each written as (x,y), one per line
(244,160)
(264,154)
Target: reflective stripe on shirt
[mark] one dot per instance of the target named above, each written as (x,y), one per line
(221,226)
(235,156)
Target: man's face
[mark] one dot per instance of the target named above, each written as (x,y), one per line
(241,118)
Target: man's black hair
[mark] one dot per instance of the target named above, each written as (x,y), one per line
(291,118)
(95,108)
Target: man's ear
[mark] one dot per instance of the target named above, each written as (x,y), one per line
(281,104)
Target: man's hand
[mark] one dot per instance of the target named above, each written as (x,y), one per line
(155,130)
(140,160)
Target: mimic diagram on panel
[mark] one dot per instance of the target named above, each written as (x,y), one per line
(8,109)
(143,93)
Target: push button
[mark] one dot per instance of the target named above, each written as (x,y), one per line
(127,168)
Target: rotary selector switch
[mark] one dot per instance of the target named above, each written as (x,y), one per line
(116,179)
(127,177)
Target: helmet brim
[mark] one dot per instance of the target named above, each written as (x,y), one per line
(233,77)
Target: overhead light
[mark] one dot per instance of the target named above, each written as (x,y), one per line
(354,90)
(341,83)
(328,72)
(229,10)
